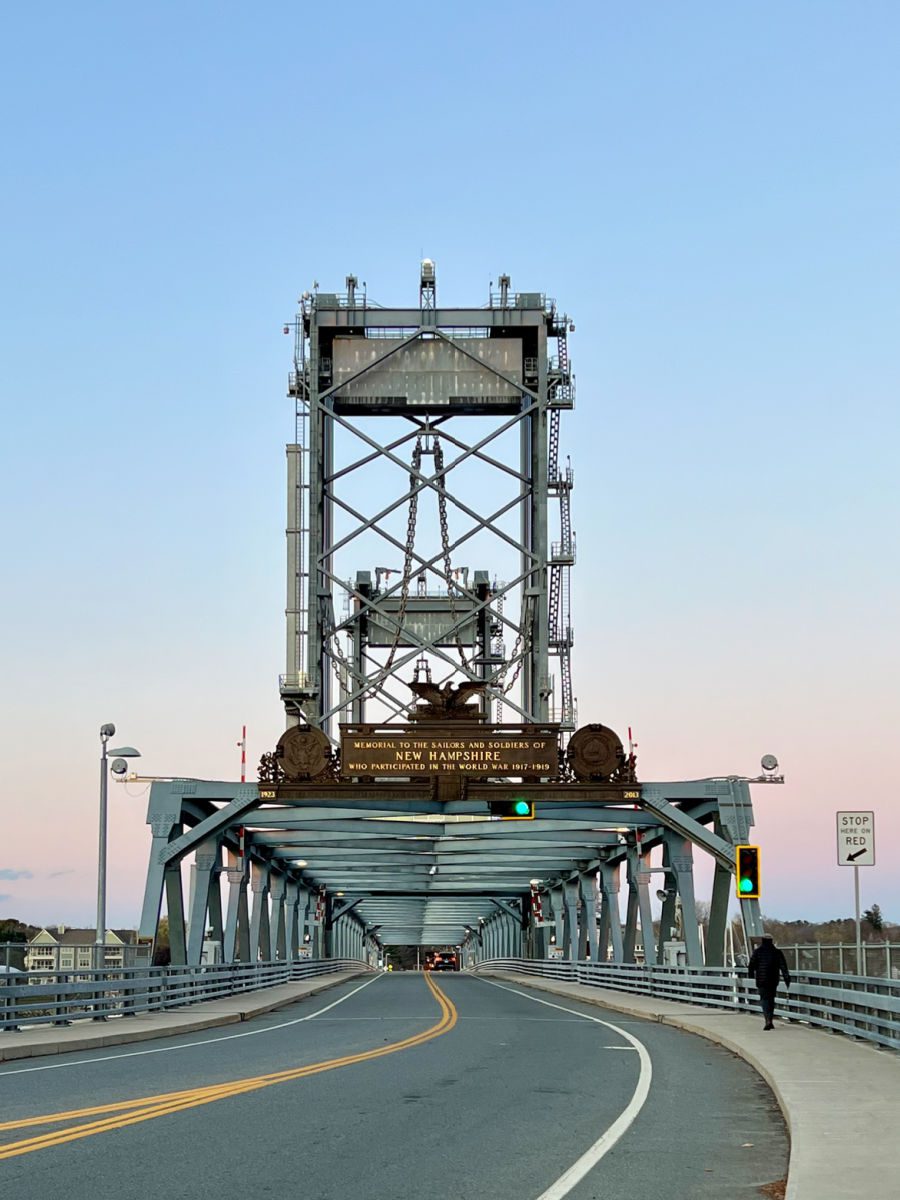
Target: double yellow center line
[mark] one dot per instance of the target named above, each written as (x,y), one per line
(132,1112)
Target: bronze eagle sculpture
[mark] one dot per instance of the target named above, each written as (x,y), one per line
(445,701)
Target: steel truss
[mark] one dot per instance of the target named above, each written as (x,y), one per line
(340,873)
(456,387)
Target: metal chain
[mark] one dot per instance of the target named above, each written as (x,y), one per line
(520,645)
(408,555)
(445,544)
(338,655)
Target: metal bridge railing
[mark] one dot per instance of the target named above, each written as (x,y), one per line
(879,959)
(59,997)
(860,1006)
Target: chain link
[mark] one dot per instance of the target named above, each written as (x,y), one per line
(407,557)
(519,646)
(440,479)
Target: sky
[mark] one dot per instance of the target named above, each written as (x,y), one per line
(710,191)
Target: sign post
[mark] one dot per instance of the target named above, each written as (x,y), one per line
(856,848)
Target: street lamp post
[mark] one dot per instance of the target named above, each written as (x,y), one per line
(119,766)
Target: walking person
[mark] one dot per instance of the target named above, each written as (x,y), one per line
(766,964)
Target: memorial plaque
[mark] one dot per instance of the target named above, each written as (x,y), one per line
(479,754)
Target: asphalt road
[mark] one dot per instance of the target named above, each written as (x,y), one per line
(391,1089)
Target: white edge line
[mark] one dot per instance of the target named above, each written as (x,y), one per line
(622,1123)
(229,1037)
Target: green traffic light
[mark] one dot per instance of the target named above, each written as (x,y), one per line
(522,808)
(746,872)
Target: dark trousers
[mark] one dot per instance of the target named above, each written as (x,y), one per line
(767,1000)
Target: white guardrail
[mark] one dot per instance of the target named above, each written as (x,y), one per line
(859,1005)
(60,997)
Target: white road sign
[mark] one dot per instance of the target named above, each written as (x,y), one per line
(856,839)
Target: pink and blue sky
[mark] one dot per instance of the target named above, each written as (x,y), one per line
(710,190)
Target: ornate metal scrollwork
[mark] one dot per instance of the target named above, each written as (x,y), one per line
(269,769)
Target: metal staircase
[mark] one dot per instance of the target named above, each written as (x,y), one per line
(562,552)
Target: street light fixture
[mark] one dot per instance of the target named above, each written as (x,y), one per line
(119,766)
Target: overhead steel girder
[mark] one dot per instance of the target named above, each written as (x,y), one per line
(344,909)
(357,871)
(246,808)
(673,818)
(319,841)
(427,885)
(444,874)
(363,825)
(394,795)
(572,847)
(247,796)
(432,331)
(393,317)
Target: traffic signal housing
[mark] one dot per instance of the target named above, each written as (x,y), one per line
(516,809)
(746,872)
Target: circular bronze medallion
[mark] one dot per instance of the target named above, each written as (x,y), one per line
(595,752)
(303,752)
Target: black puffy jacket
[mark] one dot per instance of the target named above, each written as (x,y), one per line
(766,964)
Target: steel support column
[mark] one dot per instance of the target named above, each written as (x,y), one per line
(587,919)
(570,935)
(236,946)
(292,919)
(260,942)
(753,926)
(632,910)
(588,884)
(642,880)
(681,861)
(304,926)
(559,915)
(204,871)
(718,914)
(667,921)
(610,916)
(513,925)
(175,911)
(541,940)
(165,827)
(277,892)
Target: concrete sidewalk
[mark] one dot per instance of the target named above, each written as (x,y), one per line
(840,1098)
(38,1040)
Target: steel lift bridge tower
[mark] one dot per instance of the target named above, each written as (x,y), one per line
(428,440)
(428,681)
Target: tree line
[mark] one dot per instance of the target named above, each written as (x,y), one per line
(874,927)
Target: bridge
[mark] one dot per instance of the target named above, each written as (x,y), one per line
(435,786)
(426,698)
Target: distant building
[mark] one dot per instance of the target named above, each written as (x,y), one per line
(68,949)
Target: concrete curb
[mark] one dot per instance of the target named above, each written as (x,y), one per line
(36,1042)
